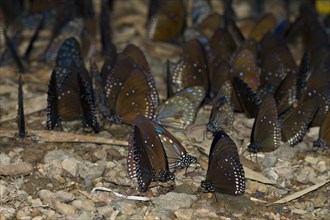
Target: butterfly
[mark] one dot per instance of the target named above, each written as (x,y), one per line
(247,98)
(225,173)
(72,29)
(324,133)
(146,161)
(108,48)
(129,87)
(222,113)
(191,70)
(69,54)
(244,64)
(295,123)
(72,99)
(266,131)
(266,24)
(20,112)
(167,20)
(179,111)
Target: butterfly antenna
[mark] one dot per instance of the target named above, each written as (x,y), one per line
(20,112)
(14,54)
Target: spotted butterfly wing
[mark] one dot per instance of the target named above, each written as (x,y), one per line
(179,111)
(244,66)
(146,160)
(69,54)
(139,59)
(286,93)
(166,20)
(296,123)
(177,155)
(248,99)
(222,114)
(266,134)
(324,133)
(192,68)
(225,172)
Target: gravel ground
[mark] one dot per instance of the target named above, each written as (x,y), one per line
(44,180)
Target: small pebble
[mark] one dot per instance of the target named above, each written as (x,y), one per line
(16,169)
(71,166)
(4,159)
(64,209)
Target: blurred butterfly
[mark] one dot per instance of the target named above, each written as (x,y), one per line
(69,54)
(318,87)
(72,29)
(266,131)
(108,48)
(167,20)
(244,64)
(266,23)
(146,161)
(276,62)
(225,172)
(20,112)
(130,89)
(295,124)
(247,98)
(222,113)
(200,10)
(180,110)
(210,24)
(286,93)
(72,99)
(324,133)
(191,70)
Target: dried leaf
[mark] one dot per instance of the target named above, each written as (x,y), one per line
(252,175)
(137,198)
(299,193)
(62,137)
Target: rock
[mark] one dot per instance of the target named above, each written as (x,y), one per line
(311,160)
(23,214)
(63,196)
(253,187)
(64,209)
(16,169)
(100,154)
(85,215)
(3,190)
(321,166)
(184,188)
(269,161)
(50,214)
(105,211)
(174,201)
(36,202)
(4,159)
(46,196)
(285,152)
(270,173)
(126,207)
(84,204)
(302,178)
(7,213)
(53,169)
(32,155)
(88,170)
(183,214)
(70,165)
(60,155)
(38,218)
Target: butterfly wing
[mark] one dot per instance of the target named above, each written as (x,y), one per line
(52,105)
(20,112)
(324,133)
(166,20)
(69,54)
(148,162)
(248,99)
(225,173)
(296,123)
(266,24)
(179,111)
(192,68)
(222,114)
(266,132)
(134,98)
